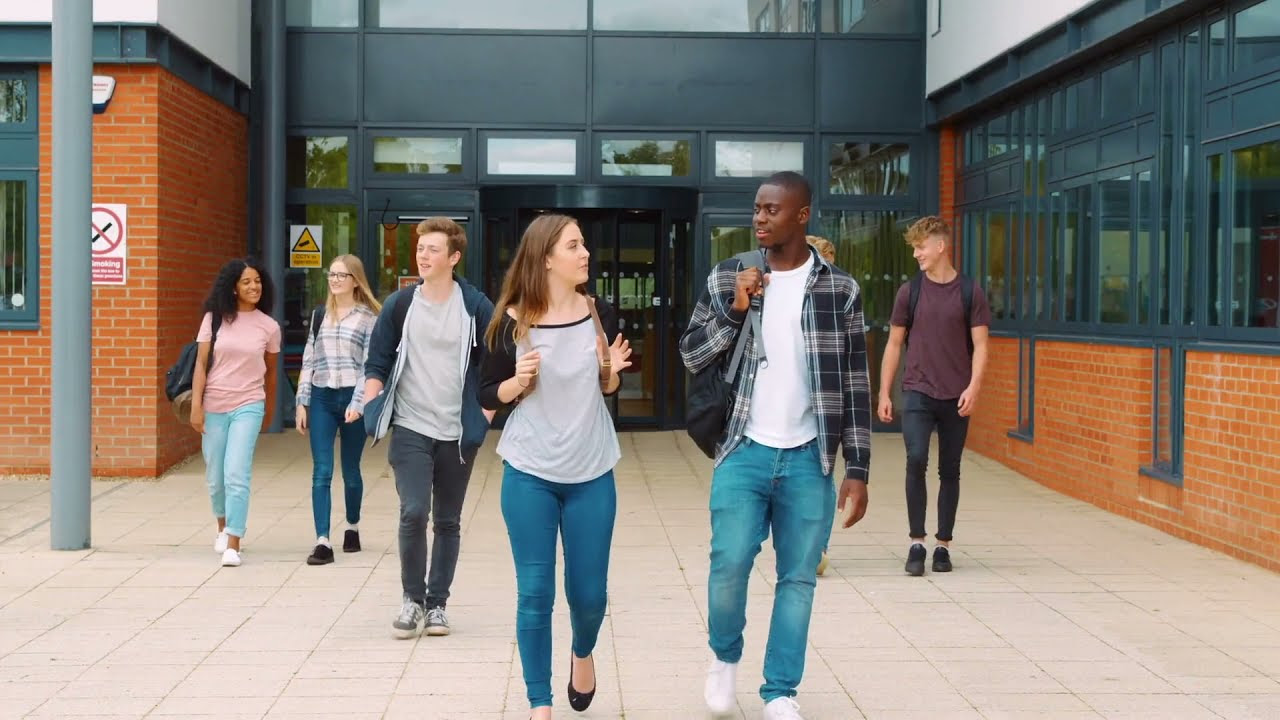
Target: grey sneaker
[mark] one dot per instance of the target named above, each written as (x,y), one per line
(437,622)
(409,623)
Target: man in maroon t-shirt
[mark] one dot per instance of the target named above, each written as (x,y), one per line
(946,358)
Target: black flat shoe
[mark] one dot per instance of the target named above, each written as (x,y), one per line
(579,700)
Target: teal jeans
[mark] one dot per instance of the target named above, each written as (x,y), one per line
(757,490)
(228,442)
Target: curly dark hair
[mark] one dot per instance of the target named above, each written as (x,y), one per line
(222,296)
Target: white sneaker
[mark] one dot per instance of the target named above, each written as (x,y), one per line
(230,558)
(720,690)
(783,708)
(220,542)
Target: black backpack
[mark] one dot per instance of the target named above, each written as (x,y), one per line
(711,391)
(178,378)
(966,292)
(317,317)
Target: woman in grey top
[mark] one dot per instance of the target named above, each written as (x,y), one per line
(550,355)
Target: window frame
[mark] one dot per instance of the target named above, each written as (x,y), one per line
(28,318)
(1153,468)
(580,156)
(596,173)
(353,162)
(915,169)
(383,178)
(711,180)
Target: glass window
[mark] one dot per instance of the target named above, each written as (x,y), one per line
(729,240)
(869,169)
(317,162)
(1168,110)
(1162,450)
(1214,179)
(1143,251)
(15,229)
(645,158)
(724,16)
(13,101)
(1218,50)
(1146,80)
(1255,242)
(418,155)
(998,136)
(322,13)
(480,14)
(1077,228)
(532,156)
(996,274)
(1115,243)
(1117,91)
(1257,34)
(758,158)
(305,288)
(1190,150)
(872,17)
(1056,258)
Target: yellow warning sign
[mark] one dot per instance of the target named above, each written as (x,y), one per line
(305,243)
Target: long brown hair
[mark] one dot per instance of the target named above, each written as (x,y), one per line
(524,289)
(363,294)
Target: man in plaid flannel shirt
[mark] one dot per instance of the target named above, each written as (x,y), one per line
(788,416)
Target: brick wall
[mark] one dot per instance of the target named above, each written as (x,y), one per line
(186,195)
(1093,431)
(947,139)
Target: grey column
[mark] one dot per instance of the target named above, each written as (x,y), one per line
(70,450)
(275,236)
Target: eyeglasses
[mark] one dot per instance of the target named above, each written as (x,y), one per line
(339,275)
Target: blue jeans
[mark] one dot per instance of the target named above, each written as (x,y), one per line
(535,510)
(228,442)
(755,489)
(326,418)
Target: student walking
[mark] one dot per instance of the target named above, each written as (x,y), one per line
(423,379)
(233,397)
(550,353)
(942,317)
(787,418)
(330,397)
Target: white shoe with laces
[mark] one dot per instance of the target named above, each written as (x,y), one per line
(783,708)
(231,558)
(720,690)
(220,542)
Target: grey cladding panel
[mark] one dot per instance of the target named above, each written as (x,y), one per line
(872,84)
(1256,107)
(321,86)
(683,82)
(475,78)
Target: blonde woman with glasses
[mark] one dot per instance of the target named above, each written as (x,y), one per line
(330,400)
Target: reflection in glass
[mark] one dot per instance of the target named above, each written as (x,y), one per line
(14,227)
(1145,221)
(1053,293)
(1168,108)
(322,13)
(1115,243)
(758,158)
(479,14)
(532,156)
(995,275)
(870,247)
(305,288)
(1117,91)
(1257,34)
(727,241)
(998,136)
(316,162)
(13,100)
(723,16)
(1190,150)
(645,158)
(417,155)
(869,169)
(1255,291)
(872,17)
(1214,179)
(1218,50)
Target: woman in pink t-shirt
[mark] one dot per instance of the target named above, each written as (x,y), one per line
(234,397)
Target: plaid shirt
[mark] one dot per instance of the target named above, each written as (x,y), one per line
(335,359)
(835,346)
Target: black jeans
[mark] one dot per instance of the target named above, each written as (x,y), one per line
(431,478)
(920,415)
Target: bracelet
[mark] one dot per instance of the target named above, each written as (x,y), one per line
(523,385)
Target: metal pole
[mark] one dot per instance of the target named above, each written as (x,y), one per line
(274,235)
(70,449)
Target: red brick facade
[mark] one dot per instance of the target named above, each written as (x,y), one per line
(1093,430)
(179,160)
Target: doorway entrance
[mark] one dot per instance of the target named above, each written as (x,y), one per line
(641,254)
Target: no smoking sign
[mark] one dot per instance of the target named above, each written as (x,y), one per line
(109,240)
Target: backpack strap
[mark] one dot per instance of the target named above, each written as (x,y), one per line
(606,363)
(317,317)
(913,299)
(749,259)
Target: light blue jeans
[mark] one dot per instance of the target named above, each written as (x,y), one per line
(228,442)
(754,490)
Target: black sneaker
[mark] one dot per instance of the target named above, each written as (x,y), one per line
(915,560)
(941,559)
(322,555)
(351,541)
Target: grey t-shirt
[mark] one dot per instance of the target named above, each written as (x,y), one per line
(562,431)
(429,393)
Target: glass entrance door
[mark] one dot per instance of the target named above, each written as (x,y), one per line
(390,259)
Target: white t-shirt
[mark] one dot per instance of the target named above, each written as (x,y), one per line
(781,413)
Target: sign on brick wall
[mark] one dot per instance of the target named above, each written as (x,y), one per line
(109,240)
